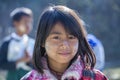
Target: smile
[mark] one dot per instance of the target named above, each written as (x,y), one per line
(65,53)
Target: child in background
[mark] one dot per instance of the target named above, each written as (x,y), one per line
(98,50)
(17,49)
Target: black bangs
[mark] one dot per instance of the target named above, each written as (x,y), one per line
(69,23)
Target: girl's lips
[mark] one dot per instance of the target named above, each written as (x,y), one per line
(64,53)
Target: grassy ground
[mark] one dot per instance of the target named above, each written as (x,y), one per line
(2,75)
(113,73)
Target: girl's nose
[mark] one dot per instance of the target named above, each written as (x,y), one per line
(65,44)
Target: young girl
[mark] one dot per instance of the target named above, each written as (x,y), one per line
(61,49)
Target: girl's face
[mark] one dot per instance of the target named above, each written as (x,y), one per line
(61,46)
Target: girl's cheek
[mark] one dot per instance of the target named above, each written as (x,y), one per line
(75,47)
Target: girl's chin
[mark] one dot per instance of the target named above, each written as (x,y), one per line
(63,61)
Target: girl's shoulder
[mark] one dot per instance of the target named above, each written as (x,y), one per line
(99,75)
(93,74)
(32,75)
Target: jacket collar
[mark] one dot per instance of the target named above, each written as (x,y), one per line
(73,72)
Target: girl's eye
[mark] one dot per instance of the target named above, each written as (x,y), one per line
(72,37)
(56,37)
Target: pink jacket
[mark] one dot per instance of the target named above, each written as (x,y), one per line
(75,72)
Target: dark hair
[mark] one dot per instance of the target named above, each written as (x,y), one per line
(18,13)
(72,24)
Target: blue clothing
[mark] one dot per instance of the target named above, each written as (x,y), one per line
(98,50)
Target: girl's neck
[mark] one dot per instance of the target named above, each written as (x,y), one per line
(57,67)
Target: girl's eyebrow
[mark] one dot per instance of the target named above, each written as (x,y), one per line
(55,32)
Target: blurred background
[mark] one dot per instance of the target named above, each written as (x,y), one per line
(101,16)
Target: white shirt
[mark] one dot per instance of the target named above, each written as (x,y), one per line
(18,45)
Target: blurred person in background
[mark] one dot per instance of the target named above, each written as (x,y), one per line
(17,48)
(98,50)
